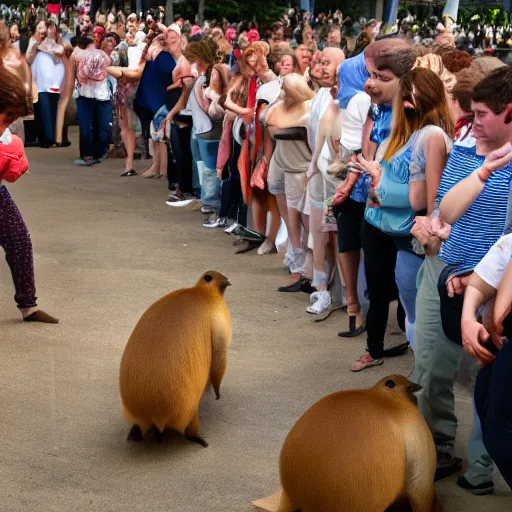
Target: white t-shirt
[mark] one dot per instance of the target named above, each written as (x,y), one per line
(353,119)
(319,105)
(47,74)
(201,121)
(495,262)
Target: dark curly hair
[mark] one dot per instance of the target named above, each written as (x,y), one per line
(456,60)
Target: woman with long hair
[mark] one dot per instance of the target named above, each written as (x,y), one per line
(241,100)
(286,121)
(403,185)
(162,68)
(207,116)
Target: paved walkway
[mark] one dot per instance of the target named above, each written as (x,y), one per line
(105,249)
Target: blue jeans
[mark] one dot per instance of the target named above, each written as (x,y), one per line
(95,120)
(493,399)
(406,271)
(197,166)
(210,184)
(45,117)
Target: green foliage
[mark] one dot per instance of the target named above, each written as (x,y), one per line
(233,10)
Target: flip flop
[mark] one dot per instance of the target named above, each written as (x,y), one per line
(130,172)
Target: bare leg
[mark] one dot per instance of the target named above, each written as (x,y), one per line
(129,140)
(349,262)
(295,226)
(259,213)
(275,222)
(163,160)
(319,243)
(155,166)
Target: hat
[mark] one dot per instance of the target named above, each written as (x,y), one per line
(175,28)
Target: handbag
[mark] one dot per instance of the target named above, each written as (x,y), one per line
(215,133)
(451,307)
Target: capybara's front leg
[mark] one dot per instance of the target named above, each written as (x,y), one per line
(192,431)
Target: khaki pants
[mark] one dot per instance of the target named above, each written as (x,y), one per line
(437,364)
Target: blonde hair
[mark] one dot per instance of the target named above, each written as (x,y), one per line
(296,87)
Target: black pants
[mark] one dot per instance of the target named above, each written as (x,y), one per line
(179,166)
(380,250)
(493,400)
(232,200)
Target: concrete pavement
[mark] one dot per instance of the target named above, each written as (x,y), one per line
(105,248)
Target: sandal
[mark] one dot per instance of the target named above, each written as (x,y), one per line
(130,172)
(365,361)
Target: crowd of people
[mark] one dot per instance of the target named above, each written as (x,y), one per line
(384,158)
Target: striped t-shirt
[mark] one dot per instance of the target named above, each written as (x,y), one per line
(483,222)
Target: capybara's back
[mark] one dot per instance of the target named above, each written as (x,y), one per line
(324,460)
(166,363)
(360,451)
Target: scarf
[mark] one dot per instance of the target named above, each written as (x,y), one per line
(352,77)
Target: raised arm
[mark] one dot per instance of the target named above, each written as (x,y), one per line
(460,197)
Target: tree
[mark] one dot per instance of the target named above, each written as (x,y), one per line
(169,12)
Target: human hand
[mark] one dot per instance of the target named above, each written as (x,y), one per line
(496,159)
(341,194)
(474,335)
(490,327)
(457,285)
(219,173)
(430,233)
(169,118)
(370,167)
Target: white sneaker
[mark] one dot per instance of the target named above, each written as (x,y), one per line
(186,205)
(212,223)
(319,302)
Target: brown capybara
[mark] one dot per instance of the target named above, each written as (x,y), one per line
(360,451)
(177,348)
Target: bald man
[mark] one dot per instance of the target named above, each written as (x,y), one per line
(325,133)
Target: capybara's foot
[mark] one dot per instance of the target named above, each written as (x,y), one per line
(159,436)
(135,435)
(198,440)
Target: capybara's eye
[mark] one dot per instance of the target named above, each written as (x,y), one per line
(208,278)
(390,383)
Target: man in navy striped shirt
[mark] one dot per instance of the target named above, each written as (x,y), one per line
(474,230)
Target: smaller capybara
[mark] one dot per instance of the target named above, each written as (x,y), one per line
(177,348)
(360,451)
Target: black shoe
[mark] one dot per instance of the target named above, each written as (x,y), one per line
(353,331)
(307,287)
(399,350)
(129,172)
(447,466)
(63,144)
(292,288)
(250,245)
(478,490)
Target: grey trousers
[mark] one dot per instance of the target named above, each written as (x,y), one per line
(436,367)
